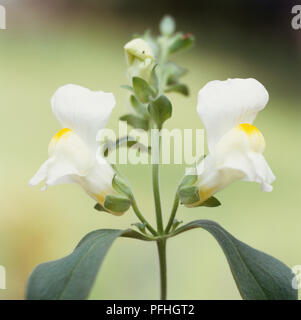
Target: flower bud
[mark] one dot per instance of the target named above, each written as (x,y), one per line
(139,57)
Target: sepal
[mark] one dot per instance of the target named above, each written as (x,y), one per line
(117,205)
(122,186)
(99,207)
(211,202)
(189,195)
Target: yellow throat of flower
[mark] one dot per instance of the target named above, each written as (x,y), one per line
(256,138)
(65,132)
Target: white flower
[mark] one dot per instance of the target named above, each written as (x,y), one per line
(228,109)
(73,151)
(139,57)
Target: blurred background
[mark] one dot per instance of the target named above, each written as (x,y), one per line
(51,43)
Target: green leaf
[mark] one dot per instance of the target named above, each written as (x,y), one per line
(135,121)
(117,203)
(175,224)
(143,90)
(154,77)
(139,107)
(180,42)
(140,226)
(167,25)
(179,88)
(72,277)
(173,73)
(258,276)
(211,202)
(160,110)
(125,86)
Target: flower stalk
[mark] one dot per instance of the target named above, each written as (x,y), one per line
(161,245)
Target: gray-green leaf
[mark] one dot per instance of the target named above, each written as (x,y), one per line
(143,90)
(258,276)
(160,110)
(135,121)
(72,277)
(139,107)
(179,88)
(180,42)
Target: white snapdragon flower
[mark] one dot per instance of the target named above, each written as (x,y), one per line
(73,151)
(228,109)
(140,58)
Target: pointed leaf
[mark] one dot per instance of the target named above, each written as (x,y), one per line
(127,87)
(143,90)
(258,276)
(211,202)
(160,110)
(154,77)
(135,122)
(173,73)
(139,107)
(180,42)
(72,277)
(179,88)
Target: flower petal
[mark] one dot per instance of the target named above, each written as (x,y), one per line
(98,181)
(260,172)
(139,57)
(54,171)
(223,105)
(69,157)
(83,111)
(237,156)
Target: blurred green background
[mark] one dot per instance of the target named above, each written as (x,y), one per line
(51,43)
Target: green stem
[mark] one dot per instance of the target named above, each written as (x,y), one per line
(173,213)
(141,217)
(161,245)
(156,146)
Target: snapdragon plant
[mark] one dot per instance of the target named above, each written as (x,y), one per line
(227,110)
